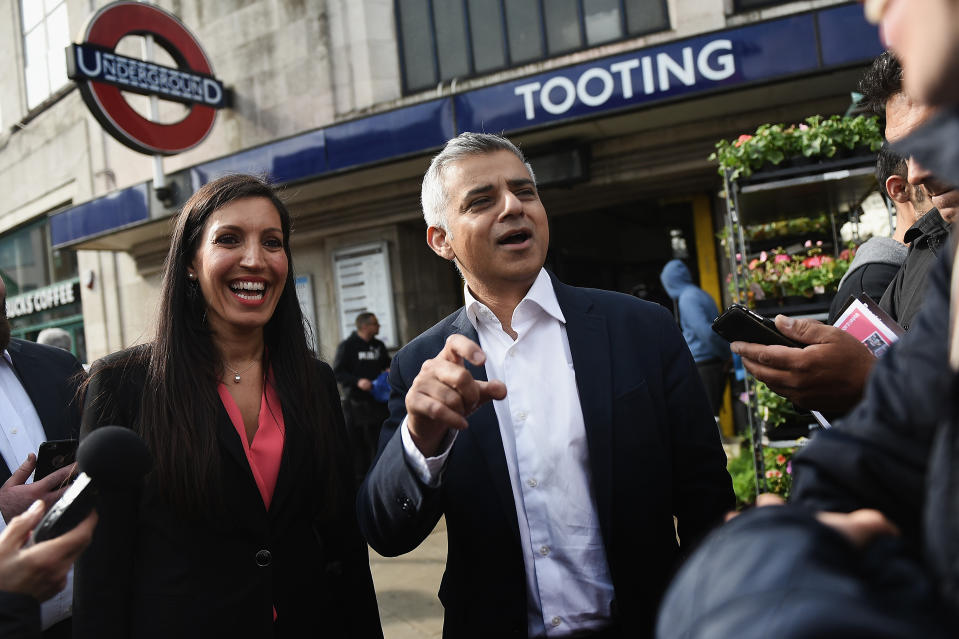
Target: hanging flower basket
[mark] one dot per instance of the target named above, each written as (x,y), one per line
(815,139)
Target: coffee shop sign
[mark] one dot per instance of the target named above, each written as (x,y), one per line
(656,73)
(41,299)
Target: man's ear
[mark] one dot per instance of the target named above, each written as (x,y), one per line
(898,188)
(438,241)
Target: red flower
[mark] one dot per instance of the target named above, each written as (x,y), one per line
(742,138)
(781,257)
(812,262)
(844,254)
(753,263)
(780,459)
(770,474)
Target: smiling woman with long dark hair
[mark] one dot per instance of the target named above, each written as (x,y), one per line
(246,525)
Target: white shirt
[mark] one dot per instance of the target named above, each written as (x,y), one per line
(569,588)
(21,433)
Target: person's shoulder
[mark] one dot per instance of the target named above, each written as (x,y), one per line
(323,368)
(135,358)
(433,338)
(50,354)
(614,302)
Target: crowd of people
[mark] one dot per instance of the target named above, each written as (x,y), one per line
(567,435)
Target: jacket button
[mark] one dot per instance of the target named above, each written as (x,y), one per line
(264,558)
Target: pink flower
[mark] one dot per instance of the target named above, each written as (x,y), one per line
(845,254)
(753,264)
(773,474)
(781,257)
(763,256)
(818,242)
(789,467)
(742,138)
(808,244)
(739,257)
(826,259)
(803,127)
(812,262)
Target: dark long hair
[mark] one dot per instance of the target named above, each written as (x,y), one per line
(179,405)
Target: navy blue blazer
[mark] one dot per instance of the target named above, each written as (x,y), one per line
(654,453)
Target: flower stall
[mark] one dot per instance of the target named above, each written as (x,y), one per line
(788,191)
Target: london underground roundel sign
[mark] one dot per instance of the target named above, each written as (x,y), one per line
(102,75)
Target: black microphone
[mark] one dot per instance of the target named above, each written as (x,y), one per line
(110,458)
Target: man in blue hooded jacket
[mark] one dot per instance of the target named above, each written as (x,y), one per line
(697,310)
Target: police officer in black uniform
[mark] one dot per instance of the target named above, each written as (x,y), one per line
(360,358)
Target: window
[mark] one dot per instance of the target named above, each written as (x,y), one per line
(445,39)
(46,34)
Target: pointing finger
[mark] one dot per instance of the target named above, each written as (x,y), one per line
(460,347)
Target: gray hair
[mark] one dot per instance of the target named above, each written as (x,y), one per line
(434,197)
(55,337)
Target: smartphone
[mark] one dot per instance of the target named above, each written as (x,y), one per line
(54,455)
(739,324)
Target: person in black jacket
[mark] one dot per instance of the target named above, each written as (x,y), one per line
(879,258)
(886,478)
(246,525)
(359,360)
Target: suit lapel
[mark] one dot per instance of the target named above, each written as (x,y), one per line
(230,440)
(589,346)
(484,430)
(35,379)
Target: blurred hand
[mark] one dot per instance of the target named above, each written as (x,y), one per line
(828,375)
(39,570)
(859,526)
(444,393)
(364,384)
(16,496)
(763,499)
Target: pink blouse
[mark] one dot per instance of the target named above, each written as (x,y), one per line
(266,450)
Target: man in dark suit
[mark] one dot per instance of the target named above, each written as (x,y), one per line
(38,402)
(559,495)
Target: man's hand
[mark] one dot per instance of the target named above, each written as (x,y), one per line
(16,496)
(828,375)
(364,384)
(444,393)
(860,526)
(41,570)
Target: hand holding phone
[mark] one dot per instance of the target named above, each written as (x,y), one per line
(739,324)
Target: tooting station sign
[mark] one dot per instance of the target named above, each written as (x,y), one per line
(103,75)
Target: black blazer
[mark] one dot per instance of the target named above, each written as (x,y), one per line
(51,377)
(151,573)
(654,453)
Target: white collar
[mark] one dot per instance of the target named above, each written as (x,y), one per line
(541,293)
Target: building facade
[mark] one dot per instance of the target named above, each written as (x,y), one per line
(618,103)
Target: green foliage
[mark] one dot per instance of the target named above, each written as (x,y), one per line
(815,138)
(772,408)
(779,478)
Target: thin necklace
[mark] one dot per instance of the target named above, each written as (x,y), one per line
(236,373)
